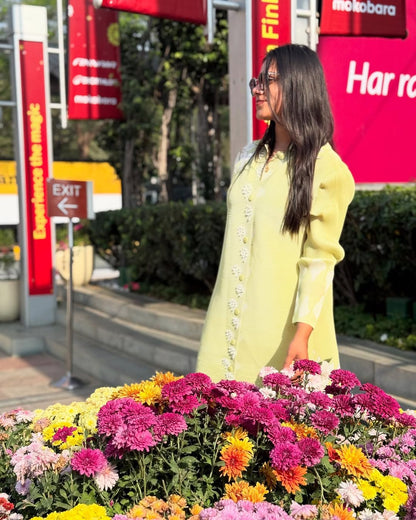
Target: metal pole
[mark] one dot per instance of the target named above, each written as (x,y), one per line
(69,302)
(69,382)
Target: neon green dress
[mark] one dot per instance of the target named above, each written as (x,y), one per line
(268,281)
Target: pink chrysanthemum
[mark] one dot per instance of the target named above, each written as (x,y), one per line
(312,451)
(342,382)
(185,405)
(320,399)
(285,455)
(343,405)
(277,380)
(199,382)
(376,402)
(62,433)
(88,461)
(106,478)
(169,424)
(278,434)
(303,512)
(307,365)
(324,421)
(176,390)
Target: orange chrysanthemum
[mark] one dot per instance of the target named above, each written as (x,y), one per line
(341,512)
(353,460)
(163,378)
(291,479)
(243,491)
(132,391)
(267,471)
(302,430)
(236,461)
(332,452)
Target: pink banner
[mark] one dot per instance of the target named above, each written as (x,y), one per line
(364,17)
(94,90)
(193,11)
(36,167)
(372,86)
(270,28)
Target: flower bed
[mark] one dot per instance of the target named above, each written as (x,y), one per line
(319,446)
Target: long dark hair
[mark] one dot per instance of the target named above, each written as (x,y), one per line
(306,115)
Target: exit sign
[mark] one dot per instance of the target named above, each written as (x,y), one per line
(71,199)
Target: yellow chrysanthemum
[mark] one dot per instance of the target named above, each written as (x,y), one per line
(238,433)
(369,491)
(196,509)
(341,512)
(243,491)
(267,471)
(302,430)
(131,391)
(138,511)
(177,500)
(81,511)
(353,460)
(150,393)
(76,438)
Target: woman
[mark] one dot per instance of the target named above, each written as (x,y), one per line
(272,302)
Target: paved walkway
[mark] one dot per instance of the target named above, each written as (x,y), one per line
(26,382)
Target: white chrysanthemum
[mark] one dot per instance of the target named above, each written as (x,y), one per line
(367,514)
(232,304)
(317,383)
(265,371)
(350,493)
(389,515)
(268,393)
(244,254)
(106,478)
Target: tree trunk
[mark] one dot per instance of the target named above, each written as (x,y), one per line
(162,156)
(127,177)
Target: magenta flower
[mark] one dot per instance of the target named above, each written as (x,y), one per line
(342,382)
(277,434)
(324,421)
(176,390)
(277,380)
(285,455)
(62,433)
(312,451)
(343,405)
(88,461)
(307,365)
(376,402)
(320,399)
(185,405)
(199,382)
(169,424)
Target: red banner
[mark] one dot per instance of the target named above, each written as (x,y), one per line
(36,166)
(372,87)
(94,90)
(193,11)
(270,28)
(364,18)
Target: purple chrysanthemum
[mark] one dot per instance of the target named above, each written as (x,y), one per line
(312,451)
(88,461)
(307,365)
(324,421)
(285,455)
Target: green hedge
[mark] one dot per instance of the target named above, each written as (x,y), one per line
(180,244)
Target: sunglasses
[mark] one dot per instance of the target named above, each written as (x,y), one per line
(260,82)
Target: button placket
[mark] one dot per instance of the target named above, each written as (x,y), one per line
(238,273)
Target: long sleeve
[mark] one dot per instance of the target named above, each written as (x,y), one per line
(332,192)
